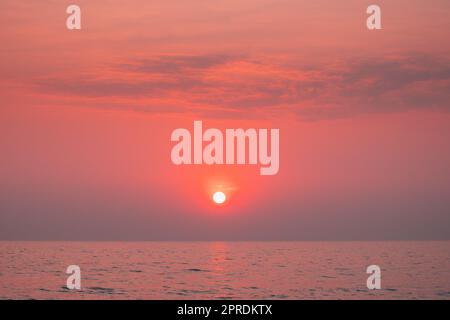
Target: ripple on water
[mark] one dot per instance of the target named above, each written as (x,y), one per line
(196,270)
(100,290)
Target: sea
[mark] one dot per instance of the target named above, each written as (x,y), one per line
(225,270)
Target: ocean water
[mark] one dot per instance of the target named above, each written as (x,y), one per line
(225,270)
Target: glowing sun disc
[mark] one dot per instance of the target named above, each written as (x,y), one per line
(219,197)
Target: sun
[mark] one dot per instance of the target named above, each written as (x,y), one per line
(219,197)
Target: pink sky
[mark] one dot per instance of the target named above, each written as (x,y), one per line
(86,117)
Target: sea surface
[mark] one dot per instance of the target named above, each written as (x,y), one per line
(225,270)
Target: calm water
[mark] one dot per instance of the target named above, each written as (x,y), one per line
(224,270)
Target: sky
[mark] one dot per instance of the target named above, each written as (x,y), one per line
(86,117)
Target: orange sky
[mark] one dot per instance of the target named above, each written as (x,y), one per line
(86,117)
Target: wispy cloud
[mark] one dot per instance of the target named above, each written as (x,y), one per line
(226,85)
(174,64)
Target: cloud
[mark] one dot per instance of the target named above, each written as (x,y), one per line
(227,86)
(174,64)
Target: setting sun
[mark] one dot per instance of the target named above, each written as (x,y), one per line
(219,197)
